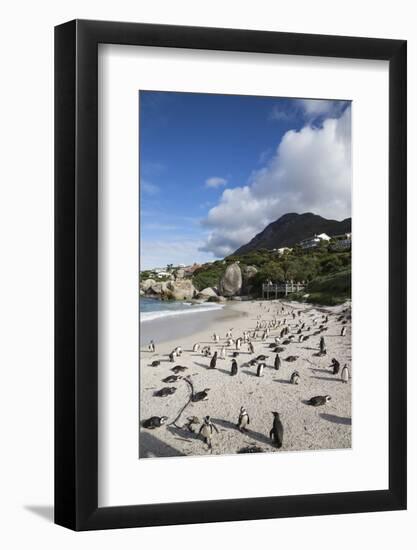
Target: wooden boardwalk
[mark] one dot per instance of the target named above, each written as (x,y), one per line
(272,290)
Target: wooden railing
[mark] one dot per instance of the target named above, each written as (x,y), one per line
(281,288)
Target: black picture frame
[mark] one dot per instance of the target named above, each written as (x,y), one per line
(76,272)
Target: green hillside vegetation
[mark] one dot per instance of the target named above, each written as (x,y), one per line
(327,273)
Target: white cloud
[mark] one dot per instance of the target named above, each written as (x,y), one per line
(310,172)
(149,188)
(177,250)
(317,107)
(215,182)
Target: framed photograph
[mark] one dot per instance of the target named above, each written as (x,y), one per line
(230,254)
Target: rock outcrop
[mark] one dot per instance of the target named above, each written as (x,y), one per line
(207,293)
(231,282)
(248,273)
(180,289)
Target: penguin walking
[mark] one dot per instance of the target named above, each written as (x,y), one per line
(343,331)
(234,369)
(345,374)
(277,362)
(251,348)
(151,346)
(277,431)
(295,378)
(213,361)
(260,369)
(206,430)
(243,420)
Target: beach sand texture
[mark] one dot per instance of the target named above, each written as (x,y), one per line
(305,427)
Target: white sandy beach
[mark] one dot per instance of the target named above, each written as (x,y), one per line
(305,427)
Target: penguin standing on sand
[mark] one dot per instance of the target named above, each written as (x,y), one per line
(343,331)
(277,362)
(172,357)
(251,347)
(345,375)
(243,420)
(295,378)
(277,431)
(322,345)
(213,361)
(151,346)
(196,347)
(223,353)
(336,366)
(233,371)
(260,369)
(206,430)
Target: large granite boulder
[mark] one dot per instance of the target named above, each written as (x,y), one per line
(207,293)
(147,284)
(158,288)
(231,282)
(181,289)
(248,273)
(180,274)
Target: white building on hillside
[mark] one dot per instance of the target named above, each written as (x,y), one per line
(313,242)
(342,242)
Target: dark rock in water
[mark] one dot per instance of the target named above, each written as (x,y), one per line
(250,449)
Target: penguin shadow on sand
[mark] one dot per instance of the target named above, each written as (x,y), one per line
(335,379)
(248,432)
(150,446)
(282,381)
(183,434)
(202,365)
(336,419)
(250,372)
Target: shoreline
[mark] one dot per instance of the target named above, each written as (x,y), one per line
(306,427)
(180,325)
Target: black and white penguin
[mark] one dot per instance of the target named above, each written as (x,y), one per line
(206,430)
(291,358)
(151,346)
(223,353)
(201,395)
(277,431)
(343,331)
(234,369)
(155,363)
(260,369)
(178,368)
(170,379)
(277,362)
(178,351)
(251,348)
(295,378)
(322,345)
(336,366)
(154,422)
(172,357)
(213,361)
(196,347)
(243,420)
(345,374)
(164,392)
(319,400)
(262,357)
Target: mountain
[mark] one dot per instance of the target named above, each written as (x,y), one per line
(290,229)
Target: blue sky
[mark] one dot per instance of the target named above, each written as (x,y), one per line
(207,161)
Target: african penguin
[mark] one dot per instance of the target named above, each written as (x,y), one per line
(243,420)
(277,431)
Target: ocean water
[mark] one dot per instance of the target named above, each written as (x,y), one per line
(152,309)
